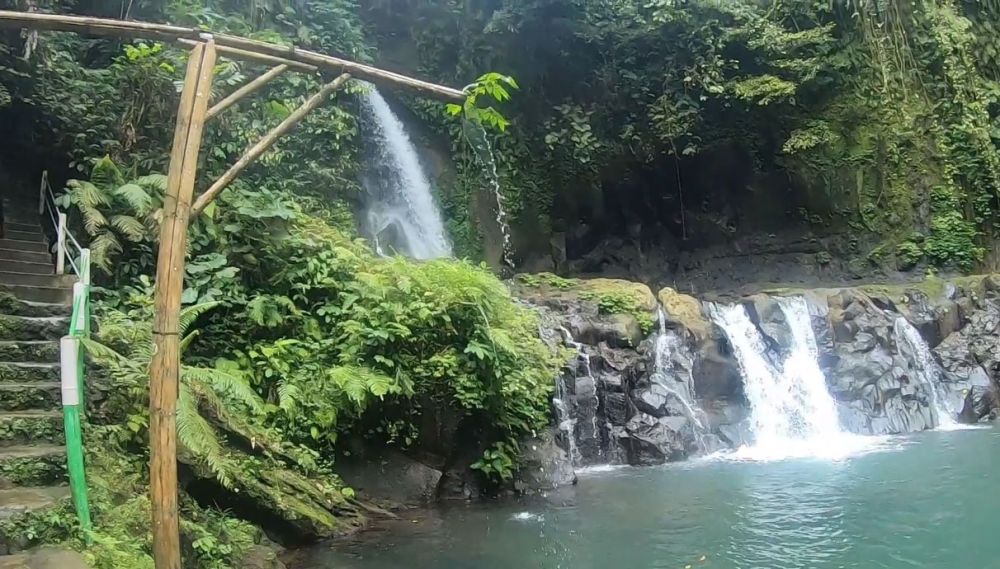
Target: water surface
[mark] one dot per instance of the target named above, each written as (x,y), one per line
(929,501)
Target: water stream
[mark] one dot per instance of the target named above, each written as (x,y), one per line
(480,142)
(916,350)
(791,411)
(672,365)
(584,438)
(401,216)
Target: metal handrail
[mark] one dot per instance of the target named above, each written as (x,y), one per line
(47,204)
(71,352)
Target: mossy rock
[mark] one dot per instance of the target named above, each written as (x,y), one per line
(33,466)
(32,328)
(41,351)
(685,311)
(28,372)
(607,297)
(31,427)
(22,396)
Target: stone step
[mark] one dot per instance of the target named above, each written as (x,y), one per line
(44,559)
(32,465)
(31,227)
(42,351)
(28,267)
(27,427)
(13,235)
(15,501)
(13,306)
(25,256)
(30,396)
(33,327)
(28,279)
(27,372)
(19,245)
(40,294)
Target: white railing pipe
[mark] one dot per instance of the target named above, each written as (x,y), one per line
(61,245)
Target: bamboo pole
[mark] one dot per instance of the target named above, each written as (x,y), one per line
(252,56)
(266,142)
(103,26)
(164,370)
(248,89)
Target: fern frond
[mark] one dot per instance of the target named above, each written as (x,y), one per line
(289,396)
(191,313)
(232,386)
(137,197)
(358,382)
(198,436)
(86,195)
(156,182)
(103,248)
(93,220)
(130,227)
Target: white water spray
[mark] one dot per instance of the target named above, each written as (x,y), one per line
(404,216)
(582,359)
(669,346)
(791,411)
(919,354)
(488,160)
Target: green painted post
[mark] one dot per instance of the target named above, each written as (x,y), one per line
(73,373)
(70,370)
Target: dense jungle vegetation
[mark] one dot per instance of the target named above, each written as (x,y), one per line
(880,118)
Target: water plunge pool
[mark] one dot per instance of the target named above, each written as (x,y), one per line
(927,500)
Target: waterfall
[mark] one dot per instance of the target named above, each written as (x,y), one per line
(672,366)
(919,354)
(402,216)
(484,153)
(579,434)
(791,411)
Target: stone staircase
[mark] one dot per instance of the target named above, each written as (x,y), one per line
(34,314)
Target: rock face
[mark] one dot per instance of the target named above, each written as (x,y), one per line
(642,393)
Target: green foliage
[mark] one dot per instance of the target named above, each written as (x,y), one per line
(492,85)
(499,461)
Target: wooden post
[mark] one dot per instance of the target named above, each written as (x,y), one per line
(266,142)
(165,368)
(249,88)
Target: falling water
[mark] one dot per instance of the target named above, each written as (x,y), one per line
(402,216)
(586,433)
(791,411)
(676,378)
(919,354)
(484,152)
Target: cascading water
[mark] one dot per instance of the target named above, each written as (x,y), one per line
(484,152)
(678,382)
(791,410)
(919,354)
(585,434)
(402,216)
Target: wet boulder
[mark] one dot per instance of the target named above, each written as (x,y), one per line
(544,465)
(651,440)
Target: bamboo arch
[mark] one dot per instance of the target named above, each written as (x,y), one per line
(192,114)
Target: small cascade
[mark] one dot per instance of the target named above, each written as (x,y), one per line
(402,216)
(916,350)
(791,411)
(484,152)
(672,372)
(584,437)
(801,368)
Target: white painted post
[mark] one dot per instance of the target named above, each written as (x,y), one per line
(61,245)
(41,192)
